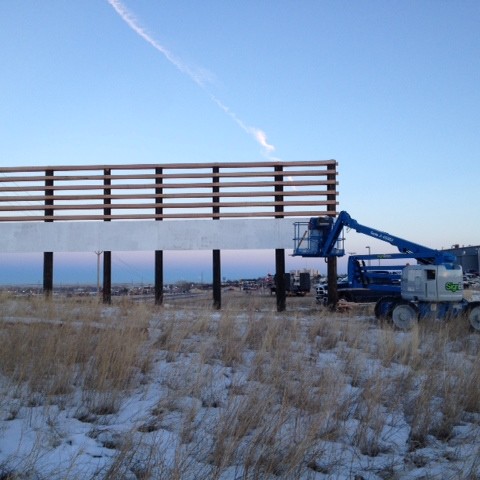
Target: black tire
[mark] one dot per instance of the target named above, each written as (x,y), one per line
(404,315)
(383,308)
(472,312)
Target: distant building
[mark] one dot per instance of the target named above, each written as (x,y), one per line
(312,271)
(467,257)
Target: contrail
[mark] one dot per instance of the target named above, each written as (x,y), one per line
(259,135)
(130,20)
(200,77)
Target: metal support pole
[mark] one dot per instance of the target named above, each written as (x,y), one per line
(332,274)
(158,277)
(332,281)
(47,273)
(107,256)
(48,256)
(280,279)
(217,280)
(158,253)
(216,263)
(280,289)
(107,277)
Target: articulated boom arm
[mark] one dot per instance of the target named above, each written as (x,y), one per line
(324,236)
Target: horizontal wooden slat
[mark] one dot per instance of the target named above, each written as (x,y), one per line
(149,186)
(170,166)
(153,176)
(267,214)
(146,206)
(134,196)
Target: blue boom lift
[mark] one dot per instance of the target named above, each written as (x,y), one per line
(404,293)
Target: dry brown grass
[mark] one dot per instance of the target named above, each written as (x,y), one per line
(243,388)
(49,349)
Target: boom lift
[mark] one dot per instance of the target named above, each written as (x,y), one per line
(432,288)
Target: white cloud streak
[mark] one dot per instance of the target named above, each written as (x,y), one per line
(200,77)
(259,135)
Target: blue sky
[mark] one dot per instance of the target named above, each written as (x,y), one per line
(390,89)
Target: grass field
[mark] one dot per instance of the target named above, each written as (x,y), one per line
(182,391)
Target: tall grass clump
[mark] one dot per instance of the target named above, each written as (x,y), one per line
(50,348)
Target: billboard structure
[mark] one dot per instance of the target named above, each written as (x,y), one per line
(190,206)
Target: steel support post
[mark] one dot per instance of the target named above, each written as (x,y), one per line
(158,253)
(158,277)
(47,273)
(216,264)
(217,280)
(107,277)
(107,256)
(280,290)
(332,275)
(48,256)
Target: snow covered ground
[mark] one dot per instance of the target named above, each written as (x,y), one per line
(251,393)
